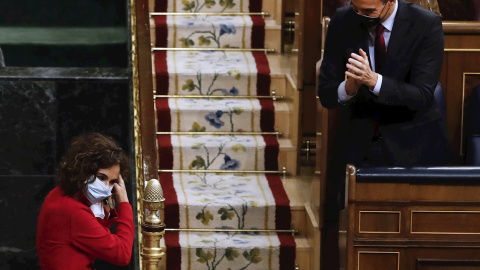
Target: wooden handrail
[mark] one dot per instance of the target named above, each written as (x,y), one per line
(461,27)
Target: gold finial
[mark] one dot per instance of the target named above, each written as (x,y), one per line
(153,191)
(153,201)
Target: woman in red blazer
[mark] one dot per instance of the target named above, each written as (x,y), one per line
(74,223)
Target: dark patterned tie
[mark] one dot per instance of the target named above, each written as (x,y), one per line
(380,50)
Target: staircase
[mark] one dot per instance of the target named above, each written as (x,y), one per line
(227,130)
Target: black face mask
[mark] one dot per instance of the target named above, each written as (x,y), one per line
(368,21)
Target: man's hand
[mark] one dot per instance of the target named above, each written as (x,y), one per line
(359,70)
(120,191)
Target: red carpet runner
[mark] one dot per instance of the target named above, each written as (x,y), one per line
(235,199)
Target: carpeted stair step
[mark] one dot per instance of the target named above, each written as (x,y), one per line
(208,250)
(225,200)
(265,72)
(220,115)
(272,7)
(210,152)
(202,31)
(209,73)
(229,6)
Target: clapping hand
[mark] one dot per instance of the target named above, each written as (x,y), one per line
(359,72)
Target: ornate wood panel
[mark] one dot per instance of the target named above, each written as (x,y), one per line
(430,222)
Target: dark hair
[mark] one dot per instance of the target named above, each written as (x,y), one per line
(85,155)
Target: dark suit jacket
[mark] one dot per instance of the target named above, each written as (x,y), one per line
(405,110)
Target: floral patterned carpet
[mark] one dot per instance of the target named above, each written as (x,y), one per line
(214,152)
(210,31)
(207,73)
(216,91)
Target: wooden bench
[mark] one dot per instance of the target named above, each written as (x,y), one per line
(411,218)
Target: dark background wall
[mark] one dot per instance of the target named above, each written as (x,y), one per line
(76,49)
(53,88)
(63,13)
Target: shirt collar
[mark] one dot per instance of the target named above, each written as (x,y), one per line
(388,23)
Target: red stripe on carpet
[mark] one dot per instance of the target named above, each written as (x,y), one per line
(271,152)
(161,72)
(161,5)
(287,251)
(164,121)
(255,6)
(267,115)
(283,215)
(161,31)
(263,76)
(258,32)
(171,215)
(174,251)
(165,152)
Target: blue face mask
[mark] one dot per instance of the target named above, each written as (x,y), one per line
(98,191)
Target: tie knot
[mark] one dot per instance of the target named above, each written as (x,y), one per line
(380,28)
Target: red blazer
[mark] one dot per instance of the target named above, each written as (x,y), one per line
(69,236)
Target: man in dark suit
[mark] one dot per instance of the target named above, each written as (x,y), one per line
(392,109)
(381,64)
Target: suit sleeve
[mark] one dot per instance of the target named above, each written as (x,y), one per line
(91,237)
(417,92)
(332,69)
